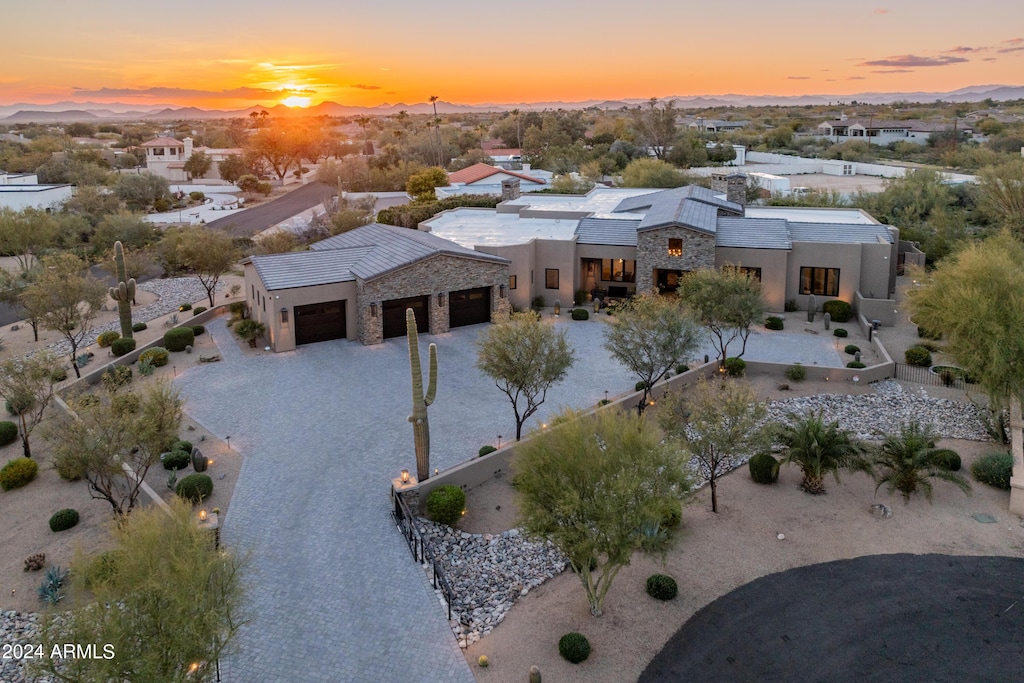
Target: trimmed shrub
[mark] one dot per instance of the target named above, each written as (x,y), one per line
(156,356)
(198,309)
(735,367)
(122,346)
(851,349)
(107,338)
(839,310)
(537,303)
(841,333)
(856,364)
(640,386)
(791,306)
(484,450)
(994,469)
(139,327)
(18,472)
(796,372)
(195,487)
(580,314)
(175,459)
(574,647)
(161,206)
(196,196)
(178,338)
(63,520)
(774,323)
(184,307)
(182,445)
(198,330)
(662,587)
(919,356)
(950,461)
(445,504)
(8,433)
(764,468)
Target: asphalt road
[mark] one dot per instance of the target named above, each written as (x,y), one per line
(878,618)
(257,219)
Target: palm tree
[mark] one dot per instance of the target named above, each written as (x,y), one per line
(820,448)
(437,130)
(910,459)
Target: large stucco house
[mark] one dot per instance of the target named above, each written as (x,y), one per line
(20,191)
(166,157)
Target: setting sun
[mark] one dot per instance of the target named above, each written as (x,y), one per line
(296,101)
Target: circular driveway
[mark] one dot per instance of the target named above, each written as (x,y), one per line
(876,618)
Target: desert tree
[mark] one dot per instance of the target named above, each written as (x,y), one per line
(23,234)
(656,125)
(1002,195)
(198,165)
(908,461)
(727,301)
(208,253)
(717,422)
(26,384)
(590,485)
(651,335)
(525,357)
(819,447)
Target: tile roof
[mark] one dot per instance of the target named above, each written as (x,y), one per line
(753,233)
(691,206)
(163,142)
(619,232)
(840,233)
(476,172)
(307,268)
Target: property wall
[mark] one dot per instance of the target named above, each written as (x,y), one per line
(878,270)
(846,257)
(883,310)
(521,257)
(652,252)
(773,264)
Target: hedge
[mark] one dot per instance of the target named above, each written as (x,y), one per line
(178,338)
(107,338)
(445,504)
(122,346)
(838,310)
(195,487)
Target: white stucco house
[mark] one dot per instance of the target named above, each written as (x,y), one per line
(486,179)
(166,157)
(22,191)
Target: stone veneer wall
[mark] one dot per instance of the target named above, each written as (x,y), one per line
(652,252)
(442,273)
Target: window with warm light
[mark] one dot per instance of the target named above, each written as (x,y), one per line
(551,278)
(675,246)
(822,281)
(752,273)
(511,281)
(618,270)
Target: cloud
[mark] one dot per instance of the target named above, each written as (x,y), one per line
(903,61)
(989,59)
(960,50)
(1006,50)
(1013,41)
(857,78)
(798,78)
(879,10)
(162,92)
(893,71)
(363,86)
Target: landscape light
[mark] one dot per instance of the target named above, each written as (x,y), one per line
(405,476)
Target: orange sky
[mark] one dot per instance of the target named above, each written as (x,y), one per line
(232,53)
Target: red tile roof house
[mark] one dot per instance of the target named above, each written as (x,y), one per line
(486,179)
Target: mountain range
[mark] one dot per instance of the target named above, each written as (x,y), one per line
(94,111)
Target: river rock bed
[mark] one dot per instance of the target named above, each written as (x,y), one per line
(18,629)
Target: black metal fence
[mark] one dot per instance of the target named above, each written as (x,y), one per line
(952,378)
(421,548)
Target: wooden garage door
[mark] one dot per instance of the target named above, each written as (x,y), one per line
(394,315)
(469,307)
(320,322)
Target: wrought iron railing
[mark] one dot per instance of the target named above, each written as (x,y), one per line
(421,548)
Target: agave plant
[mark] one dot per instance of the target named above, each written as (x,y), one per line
(818,448)
(909,460)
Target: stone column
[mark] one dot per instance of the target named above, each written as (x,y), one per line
(1017,449)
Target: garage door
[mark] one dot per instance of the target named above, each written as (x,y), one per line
(394,315)
(469,307)
(320,322)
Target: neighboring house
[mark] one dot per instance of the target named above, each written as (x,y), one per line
(166,157)
(358,285)
(702,125)
(510,158)
(486,179)
(22,191)
(882,132)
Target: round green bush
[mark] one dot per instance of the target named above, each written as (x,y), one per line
(838,310)
(8,433)
(198,309)
(161,205)
(851,349)
(122,346)
(185,307)
(196,196)
(198,330)
(574,647)
(445,504)
(484,450)
(18,472)
(640,386)
(950,461)
(662,587)
(764,468)
(735,367)
(796,372)
(175,460)
(195,487)
(856,365)
(994,469)
(774,323)
(139,327)
(63,519)
(155,356)
(107,338)
(178,338)
(841,333)
(580,314)
(182,445)
(919,356)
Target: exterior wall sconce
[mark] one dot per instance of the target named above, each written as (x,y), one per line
(284,315)
(202,515)
(373,309)
(405,476)
(440,298)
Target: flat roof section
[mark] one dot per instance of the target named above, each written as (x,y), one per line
(600,200)
(470,228)
(799,214)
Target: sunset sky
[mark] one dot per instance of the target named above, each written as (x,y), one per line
(234,53)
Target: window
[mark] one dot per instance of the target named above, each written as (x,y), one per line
(675,246)
(511,281)
(551,278)
(618,270)
(824,281)
(755,273)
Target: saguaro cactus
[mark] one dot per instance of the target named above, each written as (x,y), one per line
(123,293)
(420,401)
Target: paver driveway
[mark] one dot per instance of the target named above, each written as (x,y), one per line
(336,595)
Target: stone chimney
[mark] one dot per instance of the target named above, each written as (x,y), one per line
(719,184)
(736,188)
(510,189)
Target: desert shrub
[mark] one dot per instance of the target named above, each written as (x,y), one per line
(484,450)
(139,327)
(198,330)
(161,206)
(125,404)
(574,647)
(841,333)
(673,516)
(175,459)
(182,445)
(18,404)
(69,468)
(445,504)
(640,386)
(59,375)
(680,369)
(117,377)
(930,346)
(63,520)
(735,367)
(178,338)
(237,309)
(662,587)
(537,303)
(791,306)
(146,368)
(856,364)
(195,487)
(774,323)
(851,349)
(122,346)
(107,338)
(928,334)
(156,356)
(796,372)
(919,356)
(199,309)
(950,460)
(580,314)
(185,307)
(838,310)
(196,196)
(994,469)
(18,472)
(8,432)
(764,468)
